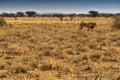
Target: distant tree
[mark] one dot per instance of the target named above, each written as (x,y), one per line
(118,14)
(12,15)
(72,16)
(4,14)
(81,15)
(110,15)
(106,15)
(31,13)
(94,13)
(20,14)
(61,16)
(37,14)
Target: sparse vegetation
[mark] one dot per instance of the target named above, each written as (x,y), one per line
(48,49)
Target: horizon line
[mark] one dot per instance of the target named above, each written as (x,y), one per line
(58,12)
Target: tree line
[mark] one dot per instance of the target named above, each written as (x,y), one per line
(91,13)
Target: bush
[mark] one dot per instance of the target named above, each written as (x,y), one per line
(30,13)
(2,22)
(117,23)
(94,13)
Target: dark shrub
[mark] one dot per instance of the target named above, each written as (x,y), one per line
(30,13)
(94,13)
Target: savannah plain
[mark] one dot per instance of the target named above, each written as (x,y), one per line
(45,48)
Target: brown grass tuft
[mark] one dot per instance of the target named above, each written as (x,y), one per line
(2,22)
(117,22)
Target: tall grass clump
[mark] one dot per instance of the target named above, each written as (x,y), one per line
(117,22)
(2,22)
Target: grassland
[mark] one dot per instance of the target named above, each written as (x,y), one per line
(49,49)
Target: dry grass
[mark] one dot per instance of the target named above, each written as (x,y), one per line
(117,22)
(2,22)
(48,49)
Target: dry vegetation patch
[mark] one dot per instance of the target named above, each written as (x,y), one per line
(2,22)
(48,49)
(117,22)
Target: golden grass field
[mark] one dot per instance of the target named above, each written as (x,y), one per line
(45,48)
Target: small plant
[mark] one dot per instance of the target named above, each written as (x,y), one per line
(2,22)
(88,68)
(95,56)
(47,53)
(19,69)
(46,67)
(3,74)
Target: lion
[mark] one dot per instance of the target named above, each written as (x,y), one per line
(90,25)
